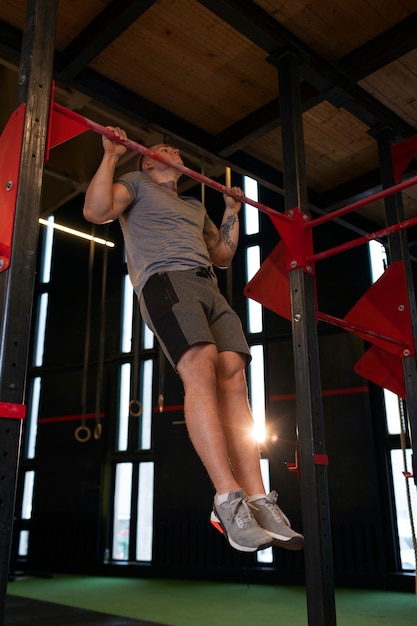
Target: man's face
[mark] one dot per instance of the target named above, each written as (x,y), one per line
(165,150)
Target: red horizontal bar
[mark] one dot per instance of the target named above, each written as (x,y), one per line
(137,147)
(69,418)
(361,240)
(379,195)
(326,392)
(282,396)
(12,410)
(364,331)
(172,407)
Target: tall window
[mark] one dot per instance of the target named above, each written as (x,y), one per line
(134,479)
(122,511)
(253,252)
(254,313)
(35,384)
(255,326)
(405,495)
(140,406)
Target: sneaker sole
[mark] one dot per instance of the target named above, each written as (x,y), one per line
(215,521)
(292,543)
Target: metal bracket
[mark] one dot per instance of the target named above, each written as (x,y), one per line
(319,459)
(401,155)
(10,152)
(270,285)
(61,127)
(297,238)
(294,467)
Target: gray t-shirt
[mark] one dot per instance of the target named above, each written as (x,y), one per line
(162,231)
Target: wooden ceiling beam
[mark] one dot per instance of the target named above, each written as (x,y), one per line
(99,34)
(386,48)
(143,111)
(262,121)
(328,78)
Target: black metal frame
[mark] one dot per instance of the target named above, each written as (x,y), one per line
(17,283)
(399,251)
(313,485)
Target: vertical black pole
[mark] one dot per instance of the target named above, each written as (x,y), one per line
(398,251)
(313,485)
(16,283)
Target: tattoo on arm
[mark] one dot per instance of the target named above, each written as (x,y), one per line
(225,230)
(211,236)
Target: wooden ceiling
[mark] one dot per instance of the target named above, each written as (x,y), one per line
(201,73)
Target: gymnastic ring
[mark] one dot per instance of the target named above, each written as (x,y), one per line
(138,411)
(97,431)
(85,437)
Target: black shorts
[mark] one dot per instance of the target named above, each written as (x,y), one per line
(183,308)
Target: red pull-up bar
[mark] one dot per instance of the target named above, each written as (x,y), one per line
(354,206)
(65,124)
(365,239)
(59,113)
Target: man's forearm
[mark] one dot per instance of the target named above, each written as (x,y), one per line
(229,231)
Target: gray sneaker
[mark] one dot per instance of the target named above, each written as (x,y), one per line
(234,519)
(270,517)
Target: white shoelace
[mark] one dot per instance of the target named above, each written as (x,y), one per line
(274,509)
(239,509)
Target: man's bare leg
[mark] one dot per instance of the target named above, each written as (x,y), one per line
(197,369)
(238,422)
(244,452)
(220,426)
